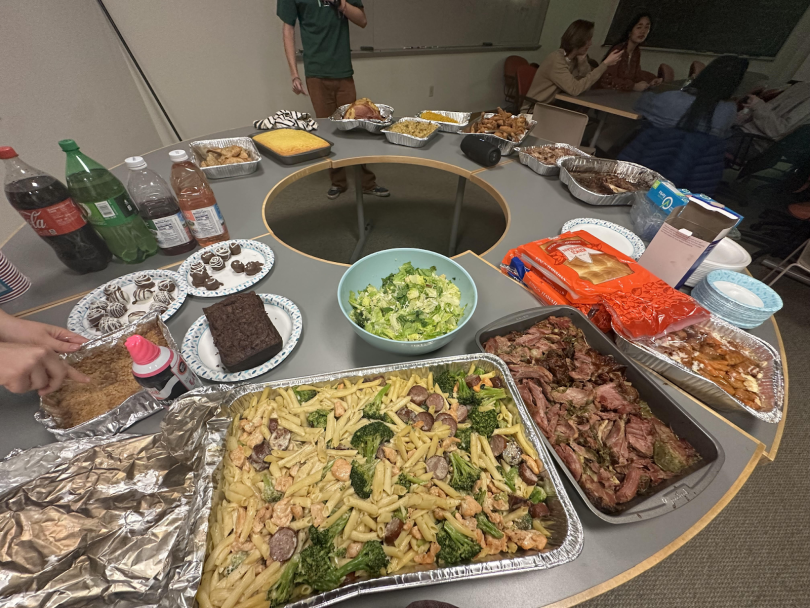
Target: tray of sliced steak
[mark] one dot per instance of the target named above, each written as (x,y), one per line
(628,448)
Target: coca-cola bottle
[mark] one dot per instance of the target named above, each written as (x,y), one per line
(44,202)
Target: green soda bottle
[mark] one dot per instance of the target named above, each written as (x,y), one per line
(107,207)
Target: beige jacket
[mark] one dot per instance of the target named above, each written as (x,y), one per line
(558,73)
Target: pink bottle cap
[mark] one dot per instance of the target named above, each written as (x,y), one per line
(142,350)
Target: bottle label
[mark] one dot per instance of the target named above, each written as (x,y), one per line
(57,219)
(111,212)
(205,222)
(169,231)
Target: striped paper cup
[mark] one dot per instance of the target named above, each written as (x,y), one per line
(13,283)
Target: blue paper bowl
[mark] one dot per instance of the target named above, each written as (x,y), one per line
(373,268)
(771,302)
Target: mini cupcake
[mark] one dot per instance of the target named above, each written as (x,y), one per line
(108,324)
(235,248)
(115,294)
(167,285)
(211,284)
(134,316)
(217,263)
(164,297)
(117,310)
(141,294)
(237,266)
(223,252)
(206,256)
(144,281)
(252,268)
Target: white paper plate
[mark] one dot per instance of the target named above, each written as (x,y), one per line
(614,235)
(727,255)
(202,356)
(77,318)
(232,282)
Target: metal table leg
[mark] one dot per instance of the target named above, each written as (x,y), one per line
(599,126)
(462,182)
(363,228)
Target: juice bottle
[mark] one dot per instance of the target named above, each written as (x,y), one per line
(45,204)
(158,208)
(107,206)
(196,200)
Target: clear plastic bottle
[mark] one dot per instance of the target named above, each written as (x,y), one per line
(158,208)
(197,201)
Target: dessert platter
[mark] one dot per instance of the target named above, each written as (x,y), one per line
(126,299)
(226,268)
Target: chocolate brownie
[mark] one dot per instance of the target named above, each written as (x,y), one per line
(242,331)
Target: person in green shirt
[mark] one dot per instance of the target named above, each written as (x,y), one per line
(327,64)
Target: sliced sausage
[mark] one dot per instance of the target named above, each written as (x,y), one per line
(448,420)
(512,453)
(438,466)
(260,450)
(280,438)
(378,377)
(436,401)
(392,531)
(527,475)
(461,413)
(498,444)
(496,382)
(418,395)
(406,414)
(473,380)
(426,419)
(283,544)
(515,502)
(539,510)
(272,424)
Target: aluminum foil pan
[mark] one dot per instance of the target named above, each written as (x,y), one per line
(772,385)
(372,126)
(135,408)
(402,139)
(462,120)
(506,147)
(567,537)
(541,168)
(630,171)
(198,152)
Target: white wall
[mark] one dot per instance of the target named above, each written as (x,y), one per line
(63,75)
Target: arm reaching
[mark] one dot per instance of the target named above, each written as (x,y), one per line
(26,368)
(289,52)
(20,331)
(355,14)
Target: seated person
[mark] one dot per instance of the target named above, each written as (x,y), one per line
(777,117)
(627,75)
(567,69)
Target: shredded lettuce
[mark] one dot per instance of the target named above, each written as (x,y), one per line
(412,304)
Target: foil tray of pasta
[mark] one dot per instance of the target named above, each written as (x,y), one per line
(372,479)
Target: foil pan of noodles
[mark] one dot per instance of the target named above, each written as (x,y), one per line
(139,405)
(656,354)
(404,139)
(541,168)
(372,126)
(462,119)
(590,179)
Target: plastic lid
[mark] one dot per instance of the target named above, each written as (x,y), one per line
(135,162)
(142,350)
(7,152)
(68,145)
(178,156)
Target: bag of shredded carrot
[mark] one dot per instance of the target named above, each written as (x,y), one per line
(590,272)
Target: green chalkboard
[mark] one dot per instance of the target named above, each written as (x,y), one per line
(756,28)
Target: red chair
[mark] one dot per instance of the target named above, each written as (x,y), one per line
(696,68)
(523,77)
(666,73)
(510,67)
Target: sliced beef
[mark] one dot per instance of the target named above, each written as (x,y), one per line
(629,488)
(641,435)
(570,459)
(519,372)
(609,397)
(498,345)
(604,498)
(617,443)
(577,397)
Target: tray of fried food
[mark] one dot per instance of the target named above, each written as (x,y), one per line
(545,160)
(363,114)
(225,157)
(502,129)
(411,132)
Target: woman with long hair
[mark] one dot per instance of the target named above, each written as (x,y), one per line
(627,75)
(567,69)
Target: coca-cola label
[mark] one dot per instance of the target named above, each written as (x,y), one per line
(55,220)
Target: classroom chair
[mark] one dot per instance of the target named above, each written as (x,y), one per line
(802,263)
(666,73)
(524,76)
(510,91)
(696,68)
(560,125)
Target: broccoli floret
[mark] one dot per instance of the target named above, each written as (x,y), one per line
(464,436)
(361,476)
(455,547)
(236,561)
(269,493)
(304,396)
(488,393)
(523,523)
(340,552)
(466,396)
(367,439)
(317,419)
(400,514)
(465,474)
(446,381)
(317,568)
(537,495)
(483,422)
(406,480)
(324,538)
(372,408)
(481,496)
(509,477)
(371,559)
(280,593)
(479,372)
(487,526)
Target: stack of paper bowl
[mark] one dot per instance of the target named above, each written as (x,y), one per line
(727,255)
(737,298)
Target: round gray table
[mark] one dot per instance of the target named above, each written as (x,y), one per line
(535,207)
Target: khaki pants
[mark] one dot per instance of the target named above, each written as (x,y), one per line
(327,95)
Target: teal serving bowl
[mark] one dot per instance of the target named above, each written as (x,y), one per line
(372,269)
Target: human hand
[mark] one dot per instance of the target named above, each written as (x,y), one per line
(752,101)
(656,81)
(614,57)
(57,339)
(298,86)
(642,85)
(24,367)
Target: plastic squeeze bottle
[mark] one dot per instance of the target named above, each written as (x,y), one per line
(158,208)
(107,207)
(160,370)
(197,201)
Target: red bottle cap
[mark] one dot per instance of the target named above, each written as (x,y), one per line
(142,350)
(7,152)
